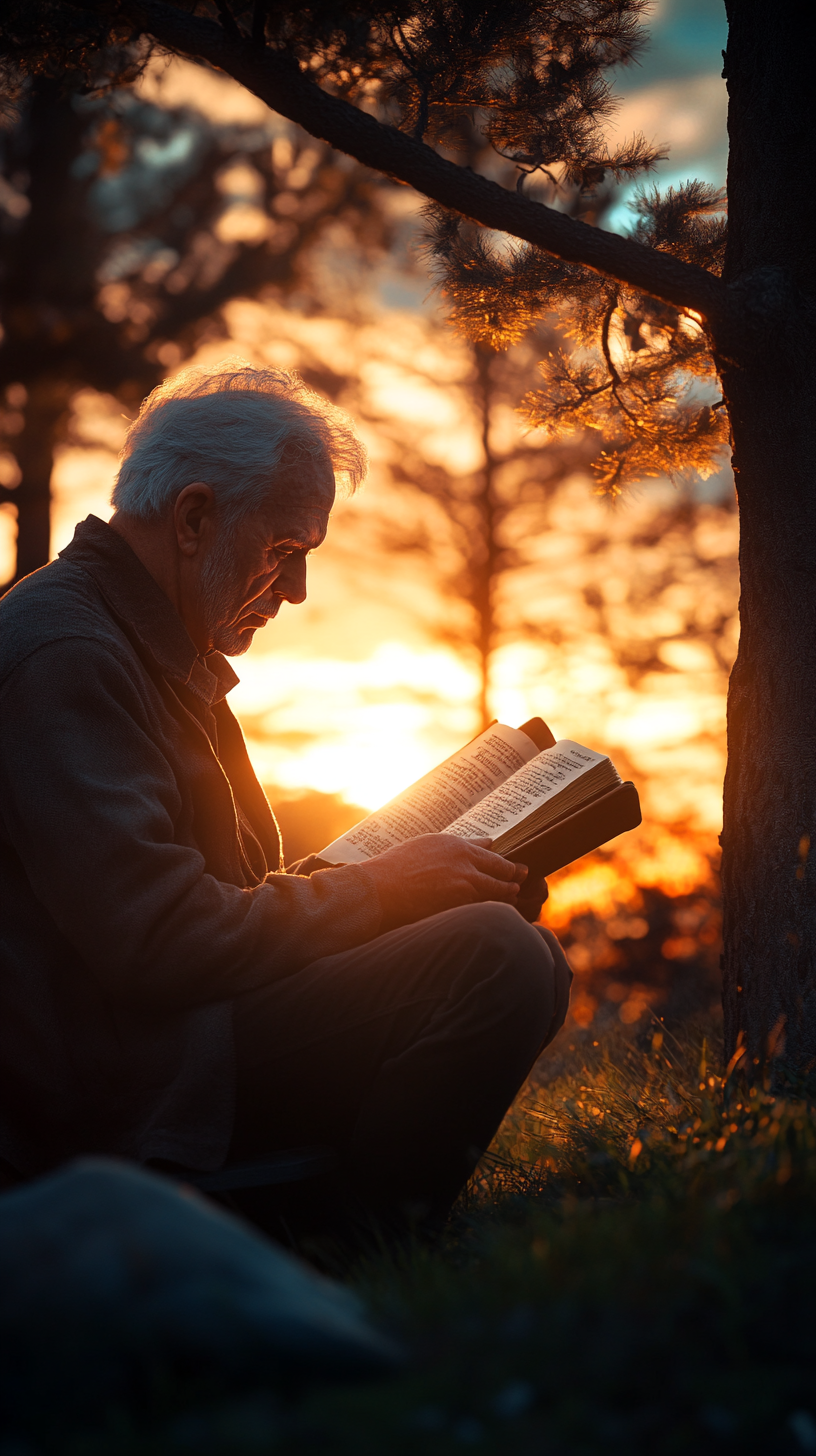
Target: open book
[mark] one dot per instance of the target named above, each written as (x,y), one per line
(542,803)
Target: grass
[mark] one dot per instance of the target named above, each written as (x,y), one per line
(634,1269)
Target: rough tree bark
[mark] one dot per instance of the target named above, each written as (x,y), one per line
(767,367)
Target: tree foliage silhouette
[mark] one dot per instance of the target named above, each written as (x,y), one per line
(394,86)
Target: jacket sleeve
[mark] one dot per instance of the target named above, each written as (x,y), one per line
(89,803)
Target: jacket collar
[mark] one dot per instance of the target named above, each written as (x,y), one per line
(138,600)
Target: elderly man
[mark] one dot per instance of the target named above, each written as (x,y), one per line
(168,991)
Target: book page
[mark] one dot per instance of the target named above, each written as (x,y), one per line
(442,796)
(531,786)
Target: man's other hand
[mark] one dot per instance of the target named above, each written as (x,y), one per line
(532,896)
(439,871)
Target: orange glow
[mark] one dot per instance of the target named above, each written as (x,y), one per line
(591,886)
(364,729)
(583,1007)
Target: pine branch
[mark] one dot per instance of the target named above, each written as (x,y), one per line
(277,79)
(610,364)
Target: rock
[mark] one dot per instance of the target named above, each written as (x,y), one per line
(116,1283)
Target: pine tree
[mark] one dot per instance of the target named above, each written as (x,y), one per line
(469,530)
(395,86)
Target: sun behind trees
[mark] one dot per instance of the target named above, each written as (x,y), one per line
(395,91)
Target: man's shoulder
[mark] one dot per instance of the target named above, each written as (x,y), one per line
(58,603)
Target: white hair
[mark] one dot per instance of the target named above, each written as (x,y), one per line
(234,427)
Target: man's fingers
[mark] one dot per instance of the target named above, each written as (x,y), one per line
(486,888)
(497,866)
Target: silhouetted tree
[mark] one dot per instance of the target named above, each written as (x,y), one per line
(391,87)
(472,528)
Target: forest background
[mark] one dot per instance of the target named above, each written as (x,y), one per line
(616,622)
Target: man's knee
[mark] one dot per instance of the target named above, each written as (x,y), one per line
(517,954)
(556,950)
(501,926)
(534,969)
(561,980)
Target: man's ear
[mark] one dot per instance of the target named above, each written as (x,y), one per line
(193,513)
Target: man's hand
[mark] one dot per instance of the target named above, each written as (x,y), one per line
(532,895)
(439,871)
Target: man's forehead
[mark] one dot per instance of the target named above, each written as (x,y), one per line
(303,520)
(299,504)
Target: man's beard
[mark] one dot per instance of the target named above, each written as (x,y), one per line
(221,598)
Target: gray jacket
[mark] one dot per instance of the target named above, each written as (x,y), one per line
(141,884)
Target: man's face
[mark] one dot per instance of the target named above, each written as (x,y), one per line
(261,562)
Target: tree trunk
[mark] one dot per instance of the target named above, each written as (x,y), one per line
(47,281)
(34,449)
(767,367)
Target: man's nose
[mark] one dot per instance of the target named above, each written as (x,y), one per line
(291,583)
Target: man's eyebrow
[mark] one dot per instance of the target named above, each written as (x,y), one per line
(306,542)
